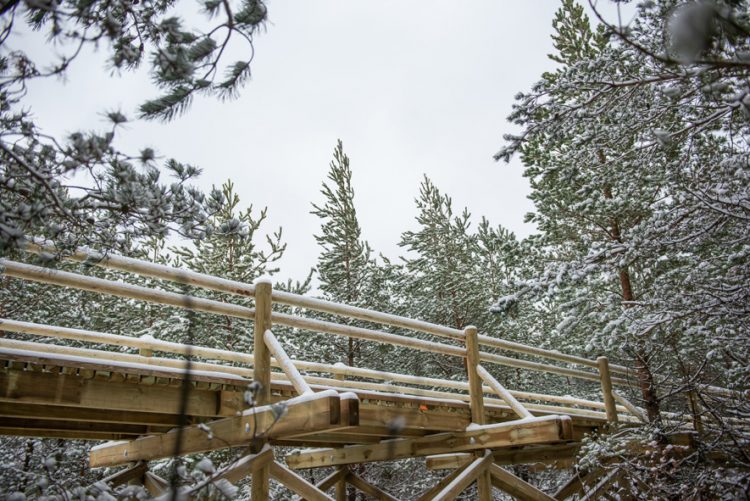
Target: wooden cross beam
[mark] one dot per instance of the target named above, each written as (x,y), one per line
(369,489)
(316,412)
(501,457)
(516,487)
(539,430)
(463,480)
(297,484)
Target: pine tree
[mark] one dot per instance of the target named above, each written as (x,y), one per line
(344,264)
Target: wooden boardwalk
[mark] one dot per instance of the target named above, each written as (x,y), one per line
(157,404)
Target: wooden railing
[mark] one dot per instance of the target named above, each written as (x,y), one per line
(598,371)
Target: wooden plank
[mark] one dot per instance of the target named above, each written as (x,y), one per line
(297,484)
(430,493)
(65,434)
(82,426)
(239,469)
(547,429)
(516,487)
(67,390)
(547,454)
(468,475)
(603,485)
(64,413)
(314,412)
(369,489)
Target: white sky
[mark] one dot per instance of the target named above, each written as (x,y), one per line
(412,88)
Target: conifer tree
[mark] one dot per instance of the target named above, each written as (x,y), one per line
(344,264)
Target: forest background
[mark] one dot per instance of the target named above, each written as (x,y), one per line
(636,151)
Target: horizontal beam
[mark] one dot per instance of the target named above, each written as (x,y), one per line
(547,429)
(309,413)
(102,286)
(19,386)
(517,455)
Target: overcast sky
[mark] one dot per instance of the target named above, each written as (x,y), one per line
(412,88)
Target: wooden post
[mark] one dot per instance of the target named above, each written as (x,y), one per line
(606,379)
(261,374)
(484,481)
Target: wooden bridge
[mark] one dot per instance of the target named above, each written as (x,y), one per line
(198,399)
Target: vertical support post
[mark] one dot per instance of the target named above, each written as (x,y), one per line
(484,481)
(606,379)
(341,486)
(261,374)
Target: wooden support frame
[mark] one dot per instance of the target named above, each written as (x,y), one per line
(473,472)
(297,484)
(547,429)
(316,412)
(363,485)
(546,454)
(516,487)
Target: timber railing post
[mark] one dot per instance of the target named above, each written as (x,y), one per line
(606,379)
(261,374)
(484,482)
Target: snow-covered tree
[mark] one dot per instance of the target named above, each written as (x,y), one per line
(636,151)
(82,188)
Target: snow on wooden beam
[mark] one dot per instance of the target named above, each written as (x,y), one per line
(101,286)
(319,411)
(524,455)
(503,393)
(286,363)
(547,429)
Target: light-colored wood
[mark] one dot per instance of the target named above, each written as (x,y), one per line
(341,484)
(262,374)
(334,478)
(43,388)
(516,487)
(369,489)
(484,486)
(245,466)
(102,286)
(318,412)
(548,429)
(154,484)
(546,454)
(429,494)
(246,359)
(80,414)
(297,484)
(606,382)
(472,472)
(275,348)
(367,334)
(132,472)
(502,392)
(630,407)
